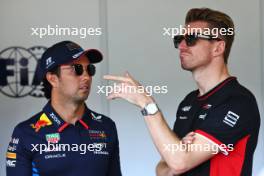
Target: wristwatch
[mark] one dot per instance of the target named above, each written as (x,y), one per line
(150,109)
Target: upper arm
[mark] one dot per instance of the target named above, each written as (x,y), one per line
(18,161)
(114,168)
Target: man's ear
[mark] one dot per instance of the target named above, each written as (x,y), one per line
(53,79)
(219,48)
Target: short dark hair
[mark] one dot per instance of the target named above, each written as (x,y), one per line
(215,19)
(47,87)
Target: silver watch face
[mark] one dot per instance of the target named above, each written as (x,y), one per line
(152,108)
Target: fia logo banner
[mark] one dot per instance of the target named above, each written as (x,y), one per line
(18,74)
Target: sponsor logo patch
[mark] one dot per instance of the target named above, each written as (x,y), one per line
(77,55)
(96,134)
(202,116)
(49,62)
(55,118)
(11,148)
(96,118)
(231,118)
(207,106)
(42,122)
(11,163)
(59,155)
(186,108)
(15,140)
(11,155)
(183,117)
(53,137)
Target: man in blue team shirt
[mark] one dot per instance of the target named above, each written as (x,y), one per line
(66,138)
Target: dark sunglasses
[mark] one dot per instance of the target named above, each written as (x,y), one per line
(78,68)
(191,39)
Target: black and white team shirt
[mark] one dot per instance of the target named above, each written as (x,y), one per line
(228,116)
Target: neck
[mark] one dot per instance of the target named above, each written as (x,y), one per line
(70,112)
(207,78)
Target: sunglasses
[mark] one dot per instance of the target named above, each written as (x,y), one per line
(191,39)
(78,69)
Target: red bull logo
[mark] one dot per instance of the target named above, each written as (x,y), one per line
(42,122)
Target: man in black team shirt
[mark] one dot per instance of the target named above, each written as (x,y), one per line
(222,114)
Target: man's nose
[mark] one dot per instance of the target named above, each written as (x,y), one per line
(86,74)
(182,45)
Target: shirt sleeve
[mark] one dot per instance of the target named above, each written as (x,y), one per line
(226,124)
(18,160)
(114,168)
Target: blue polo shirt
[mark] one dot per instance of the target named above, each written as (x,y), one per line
(46,145)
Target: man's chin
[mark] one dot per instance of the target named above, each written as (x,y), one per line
(184,67)
(83,97)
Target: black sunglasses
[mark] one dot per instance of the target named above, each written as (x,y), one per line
(78,68)
(191,39)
